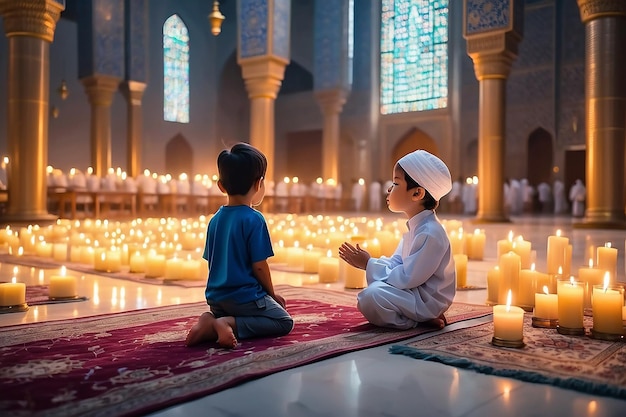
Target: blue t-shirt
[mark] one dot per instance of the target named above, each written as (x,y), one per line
(237,236)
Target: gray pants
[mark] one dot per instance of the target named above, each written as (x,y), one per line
(261,318)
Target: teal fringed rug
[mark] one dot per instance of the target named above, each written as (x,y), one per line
(572,362)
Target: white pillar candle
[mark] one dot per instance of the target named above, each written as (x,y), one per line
(590,276)
(173,268)
(570,303)
(508,322)
(59,252)
(509,264)
(190,269)
(328,268)
(62,285)
(504,246)
(155,265)
(311,261)
(137,262)
(113,260)
(12,293)
(522,248)
(295,257)
(460,265)
(100,259)
(546,305)
(352,277)
(556,252)
(527,287)
(478,245)
(493,281)
(606,259)
(608,302)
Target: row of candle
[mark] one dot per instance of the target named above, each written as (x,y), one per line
(61,286)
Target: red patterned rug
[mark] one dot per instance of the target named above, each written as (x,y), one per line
(135,362)
(573,362)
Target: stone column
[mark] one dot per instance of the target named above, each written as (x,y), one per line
(263,77)
(605,112)
(263,54)
(331,103)
(492,38)
(29,26)
(100,90)
(133,91)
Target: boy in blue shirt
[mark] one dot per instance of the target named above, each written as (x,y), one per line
(239,289)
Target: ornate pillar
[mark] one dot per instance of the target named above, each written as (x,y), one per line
(100,90)
(492,38)
(100,69)
(263,54)
(133,91)
(332,75)
(133,87)
(605,111)
(29,26)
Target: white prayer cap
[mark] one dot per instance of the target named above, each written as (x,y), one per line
(428,171)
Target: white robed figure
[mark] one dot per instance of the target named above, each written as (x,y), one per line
(577,195)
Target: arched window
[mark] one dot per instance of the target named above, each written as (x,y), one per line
(175,70)
(414,55)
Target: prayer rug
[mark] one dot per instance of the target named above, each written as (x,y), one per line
(135,362)
(573,362)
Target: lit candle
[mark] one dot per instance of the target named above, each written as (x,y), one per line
(280,253)
(62,285)
(311,260)
(508,322)
(372,246)
(522,248)
(608,302)
(590,276)
(173,268)
(460,265)
(59,252)
(295,257)
(556,252)
(12,293)
(191,269)
(137,262)
(570,303)
(113,261)
(328,268)
(457,241)
(478,245)
(606,259)
(387,241)
(509,264)
(155,264)
(504,246)
(546,305)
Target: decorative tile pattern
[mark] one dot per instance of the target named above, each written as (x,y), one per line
(330,40)
(280,28)
(253,23)
(136,41)
(486,15)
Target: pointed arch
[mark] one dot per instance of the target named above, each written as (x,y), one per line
(179,156)
(412,140)
(539,159)
(175,70)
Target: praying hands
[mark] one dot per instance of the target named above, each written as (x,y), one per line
(355,256)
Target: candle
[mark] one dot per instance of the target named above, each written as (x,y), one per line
(590,276)
(311,260)
(522,248)
(137,262)
(460,265)
(504,246)
(546,305)
(527,287)
(556,252)
(191,269)
(508,322)
(608,301)
(457,242)
(493,280)
(328,268)
(113,262)
(606,259)
(509,264)
(372,246)
(155,265)
(570,303)
(173,268)
(280,253)
(351,276)
(59,252)
(295,257)
(12,293)
(478,245)
(62,286)
(387,241)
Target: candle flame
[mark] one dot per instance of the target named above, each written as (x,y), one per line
(558,232)
(572,281)
(607,280)
(607,245)
(546,290)
(508,300)
(560,270)
(329,254)
(532,266)
(63,271)
(14,280)
(510,236)
(590,263)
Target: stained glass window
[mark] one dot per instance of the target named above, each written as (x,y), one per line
(414,55)
(175,70)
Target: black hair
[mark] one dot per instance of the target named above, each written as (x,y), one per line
(240,167)
(429,201)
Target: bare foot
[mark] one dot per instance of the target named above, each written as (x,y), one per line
(202,331)
(225,334)
(439,322)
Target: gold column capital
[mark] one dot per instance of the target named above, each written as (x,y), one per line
(331,101)
(263,75)
(100,88)
(493,54)
(593,9)
(133,91)
(34,18)
(493,65)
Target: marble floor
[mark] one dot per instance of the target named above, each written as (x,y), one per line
(370,382)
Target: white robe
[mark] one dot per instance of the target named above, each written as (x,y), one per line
(417,283)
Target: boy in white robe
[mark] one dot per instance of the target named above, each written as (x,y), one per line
(418,283)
